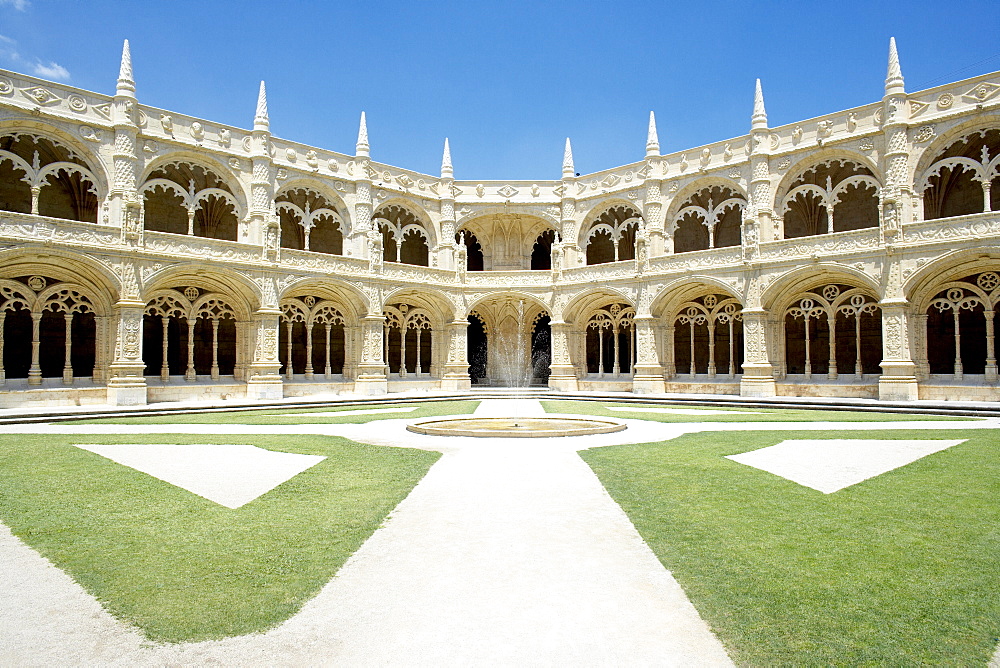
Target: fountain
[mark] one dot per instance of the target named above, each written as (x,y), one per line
(509,364)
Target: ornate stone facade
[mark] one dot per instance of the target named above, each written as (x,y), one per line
(148,256)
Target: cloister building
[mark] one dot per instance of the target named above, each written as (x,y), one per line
(150,256)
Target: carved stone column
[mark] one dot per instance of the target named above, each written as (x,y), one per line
(648,376)
(758,375)
(562,374)
(127,384)
(371,378)
(898,381)
(263,379)
(456,371)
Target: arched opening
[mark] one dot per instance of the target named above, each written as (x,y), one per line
(611,237)
(41,176)
(478,351)
(541,251)
(189,332)
(183,198)
(961,327)
(541,349)
(309,222)
(473,250)
(49,330)
(838,191)
(710,218)
(964,178)
(833,330)
(408,338)
(708,337)
(404,238)
(610,342)
(311,338)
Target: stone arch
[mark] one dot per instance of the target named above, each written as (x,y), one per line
(190,193)
(44,173)
(683,194)
(926,155)
(312,217)
(318,331)
(91,158)
(414,334)
(354,300)
(826,321)
(191,330)
(707,217)
(832,191)
(517,294)
(245,295)
(808,160)
(685,289)
(707,342)
(100,282)
(534,211)
(52,320)
(408,235)
(961,175)
(782,290)
(920,288)
(609,231)
(588,300)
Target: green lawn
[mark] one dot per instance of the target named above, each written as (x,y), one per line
(902,569)
(748,414)
(181,567)
(267,416)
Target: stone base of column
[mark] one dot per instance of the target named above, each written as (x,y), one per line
(898,382)
(563,379)
(371,380)
(757,382)
(127,391)
(265,387)
(648,380)
(456,381)
(898,388)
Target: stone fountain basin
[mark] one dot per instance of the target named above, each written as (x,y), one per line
(509,427)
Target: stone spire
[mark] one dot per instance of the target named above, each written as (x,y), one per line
(568,169)
(446,170)
(126,85)
(260,119)
(894,76)
(759,119)
(361,149)
(652,141)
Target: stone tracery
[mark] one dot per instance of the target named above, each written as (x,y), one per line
(858,202)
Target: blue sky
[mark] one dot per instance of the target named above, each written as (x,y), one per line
(506,82)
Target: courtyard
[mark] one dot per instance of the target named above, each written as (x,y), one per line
(699,535)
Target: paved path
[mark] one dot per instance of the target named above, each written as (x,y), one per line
(509,552)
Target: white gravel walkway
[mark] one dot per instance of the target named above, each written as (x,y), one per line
(509,552)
